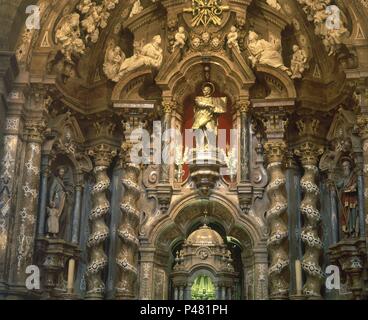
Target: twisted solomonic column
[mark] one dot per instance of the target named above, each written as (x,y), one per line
(127,258)
(277,222)
(309,154)
(99,232)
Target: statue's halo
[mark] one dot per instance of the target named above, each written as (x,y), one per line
(209,84)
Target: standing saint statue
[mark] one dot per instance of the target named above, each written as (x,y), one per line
(57,200)
(206,110)
(348,197)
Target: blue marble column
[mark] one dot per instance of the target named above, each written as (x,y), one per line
(334,214)
(45,173)
(77,214)
(361,200)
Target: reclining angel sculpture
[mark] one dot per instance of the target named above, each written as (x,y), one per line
(117,65)
(265,52)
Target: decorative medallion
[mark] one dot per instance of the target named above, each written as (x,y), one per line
(206,12)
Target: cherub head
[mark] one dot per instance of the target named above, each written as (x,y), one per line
(233,29)
(253,36)
(181,29)
(295,48)
(157,39)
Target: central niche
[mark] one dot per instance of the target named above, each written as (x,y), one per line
(204,268)
(203,288)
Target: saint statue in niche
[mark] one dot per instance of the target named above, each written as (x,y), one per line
(206,110)
(348,198)
(58,204)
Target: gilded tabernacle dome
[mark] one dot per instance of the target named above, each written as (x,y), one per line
(205,236)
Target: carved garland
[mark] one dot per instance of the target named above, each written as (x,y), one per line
(91,19)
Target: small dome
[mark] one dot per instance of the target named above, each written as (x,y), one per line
(205,236)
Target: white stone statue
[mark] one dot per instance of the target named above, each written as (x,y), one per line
(264,52)
(329,22)
(136,9)
(113,58)
(91,23)
(298,62)
(232,38)
(150,55)
(274,4)
(84,6)
(180,39)
(111,4)
(68,35)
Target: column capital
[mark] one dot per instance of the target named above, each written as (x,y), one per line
(102,154)
(243,106)
(275,151)
(309,153)
(168,106)
(34,130)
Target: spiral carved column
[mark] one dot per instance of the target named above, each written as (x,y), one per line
(127,258)
(309,154)
(277,242)
(99,231)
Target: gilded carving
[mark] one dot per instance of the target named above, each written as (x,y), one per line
(206,12)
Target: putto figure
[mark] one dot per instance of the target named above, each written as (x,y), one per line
(232,38)
(298,62)
(68,35)
(113,58)
(136,9)
(180,39)
(274,4)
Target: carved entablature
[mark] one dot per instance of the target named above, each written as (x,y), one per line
(66,138)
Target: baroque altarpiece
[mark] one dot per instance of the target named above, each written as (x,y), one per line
(90,87)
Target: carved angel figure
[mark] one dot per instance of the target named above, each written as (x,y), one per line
(111,4)
(149,55)
(68,35)
(117,65)
(113,58)
(232,38)
(329,22)
(180,39)
(84,6)
(264,52)
(298,62)
(274,4)
(136,9)
(91,23)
